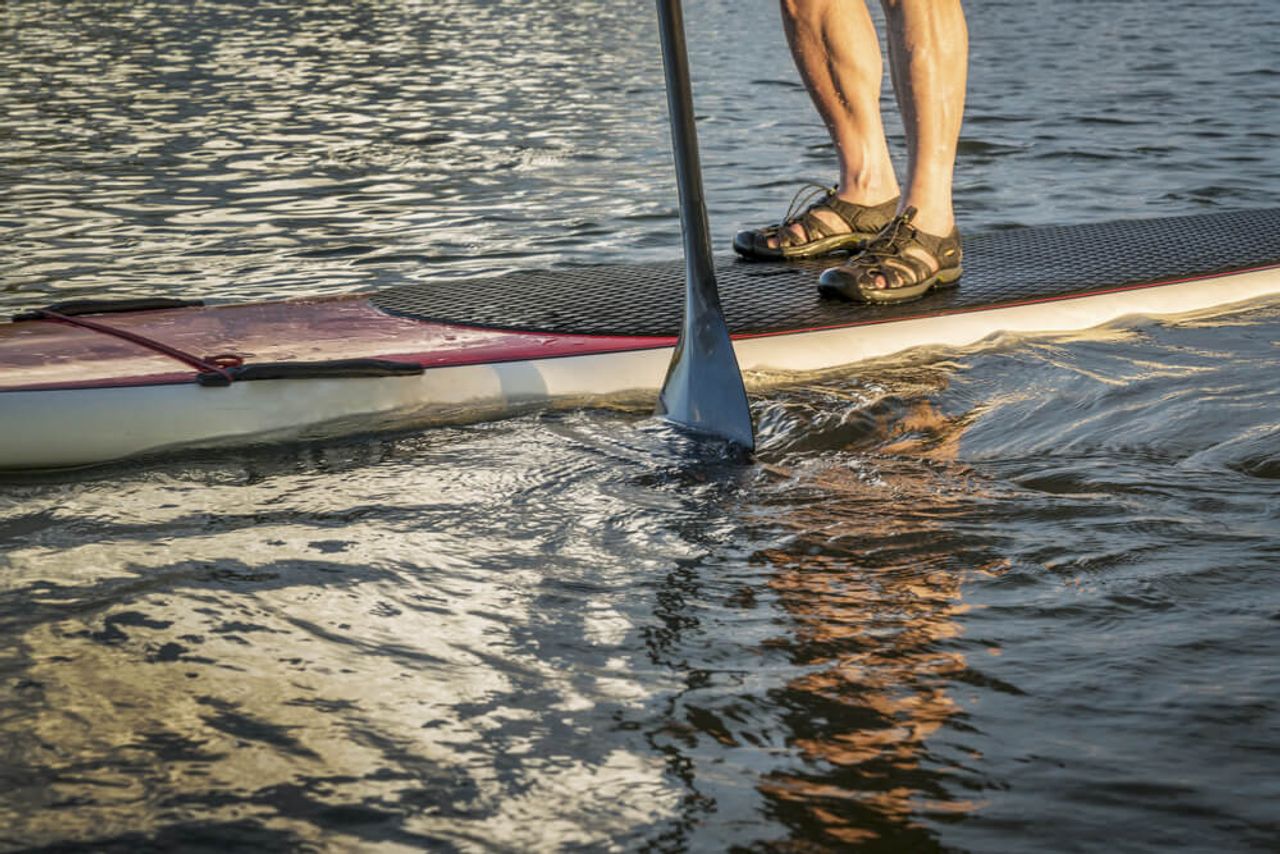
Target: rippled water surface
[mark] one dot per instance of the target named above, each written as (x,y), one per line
(1016,597)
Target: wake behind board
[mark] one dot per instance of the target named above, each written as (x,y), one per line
(483,348)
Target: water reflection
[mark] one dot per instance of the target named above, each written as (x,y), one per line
(871,584)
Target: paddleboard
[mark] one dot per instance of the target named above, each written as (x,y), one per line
(91,384)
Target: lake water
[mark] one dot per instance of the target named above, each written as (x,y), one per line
(1016,597)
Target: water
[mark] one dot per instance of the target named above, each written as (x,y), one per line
(1014,597)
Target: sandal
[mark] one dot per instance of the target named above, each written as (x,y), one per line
(908,275)
(864,223)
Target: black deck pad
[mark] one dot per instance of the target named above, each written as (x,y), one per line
(1001,267)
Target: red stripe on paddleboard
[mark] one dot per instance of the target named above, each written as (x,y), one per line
(535,346)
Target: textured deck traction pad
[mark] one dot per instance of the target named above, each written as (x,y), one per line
(1000,268)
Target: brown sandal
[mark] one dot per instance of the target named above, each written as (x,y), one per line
(864,223)
(907,274)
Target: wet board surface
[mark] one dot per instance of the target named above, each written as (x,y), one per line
(1004,267)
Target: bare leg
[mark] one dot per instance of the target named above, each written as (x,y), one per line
(835,48)
(929,60)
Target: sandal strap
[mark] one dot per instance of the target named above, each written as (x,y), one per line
(901,270)
(800,211)
(862,218)
(814,227)
(857,218)
(813,197)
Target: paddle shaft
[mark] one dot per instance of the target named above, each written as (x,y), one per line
(703,389)
(684,142)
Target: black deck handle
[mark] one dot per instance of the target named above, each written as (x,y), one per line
(332,369)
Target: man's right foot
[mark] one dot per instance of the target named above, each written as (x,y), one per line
(809,233)
(901,264)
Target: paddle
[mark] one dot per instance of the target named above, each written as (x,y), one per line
(703,390)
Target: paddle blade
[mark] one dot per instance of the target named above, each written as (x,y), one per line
(703,390)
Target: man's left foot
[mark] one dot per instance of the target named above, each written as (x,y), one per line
(900,264)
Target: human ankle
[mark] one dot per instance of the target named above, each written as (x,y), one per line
(935,222)
(867,195)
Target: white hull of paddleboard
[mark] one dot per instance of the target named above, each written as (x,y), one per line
(44,429)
